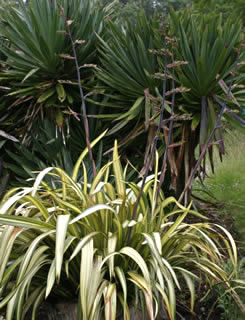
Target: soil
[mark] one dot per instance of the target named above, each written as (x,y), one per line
(201,312)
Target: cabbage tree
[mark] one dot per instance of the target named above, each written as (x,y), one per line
(39,76)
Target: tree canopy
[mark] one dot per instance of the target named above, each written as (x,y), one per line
(130,8)
(226,7)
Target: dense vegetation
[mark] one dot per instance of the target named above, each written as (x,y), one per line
(107,117)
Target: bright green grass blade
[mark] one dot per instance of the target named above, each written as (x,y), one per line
(110,298)
(82,156)
(50,279)
(29,254)
(24,222)
(134,255)
(122,279)
(61,232)
(91,210)
(13,199)
(82,243)
(117,169)
(144,286)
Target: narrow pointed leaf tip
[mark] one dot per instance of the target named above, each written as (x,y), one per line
(61,233)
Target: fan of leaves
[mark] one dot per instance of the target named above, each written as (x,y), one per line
(39,74)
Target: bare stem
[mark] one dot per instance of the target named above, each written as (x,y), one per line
(149,160)
(82,96)
(170,132)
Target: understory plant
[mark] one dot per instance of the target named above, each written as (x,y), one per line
(52,146)
(225,302)
(88,242)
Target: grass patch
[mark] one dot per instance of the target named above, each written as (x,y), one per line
(227,184)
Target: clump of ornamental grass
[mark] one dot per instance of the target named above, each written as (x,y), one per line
(88,243)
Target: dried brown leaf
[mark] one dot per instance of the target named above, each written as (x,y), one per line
(177,64)
(80,41)
(69,22)
(177,90)
(67,56)
(90,65)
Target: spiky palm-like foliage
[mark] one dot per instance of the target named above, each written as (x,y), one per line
(40,75)
(211,49)
(50,147)
(137,77)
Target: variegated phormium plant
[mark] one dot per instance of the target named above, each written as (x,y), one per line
(79,241)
